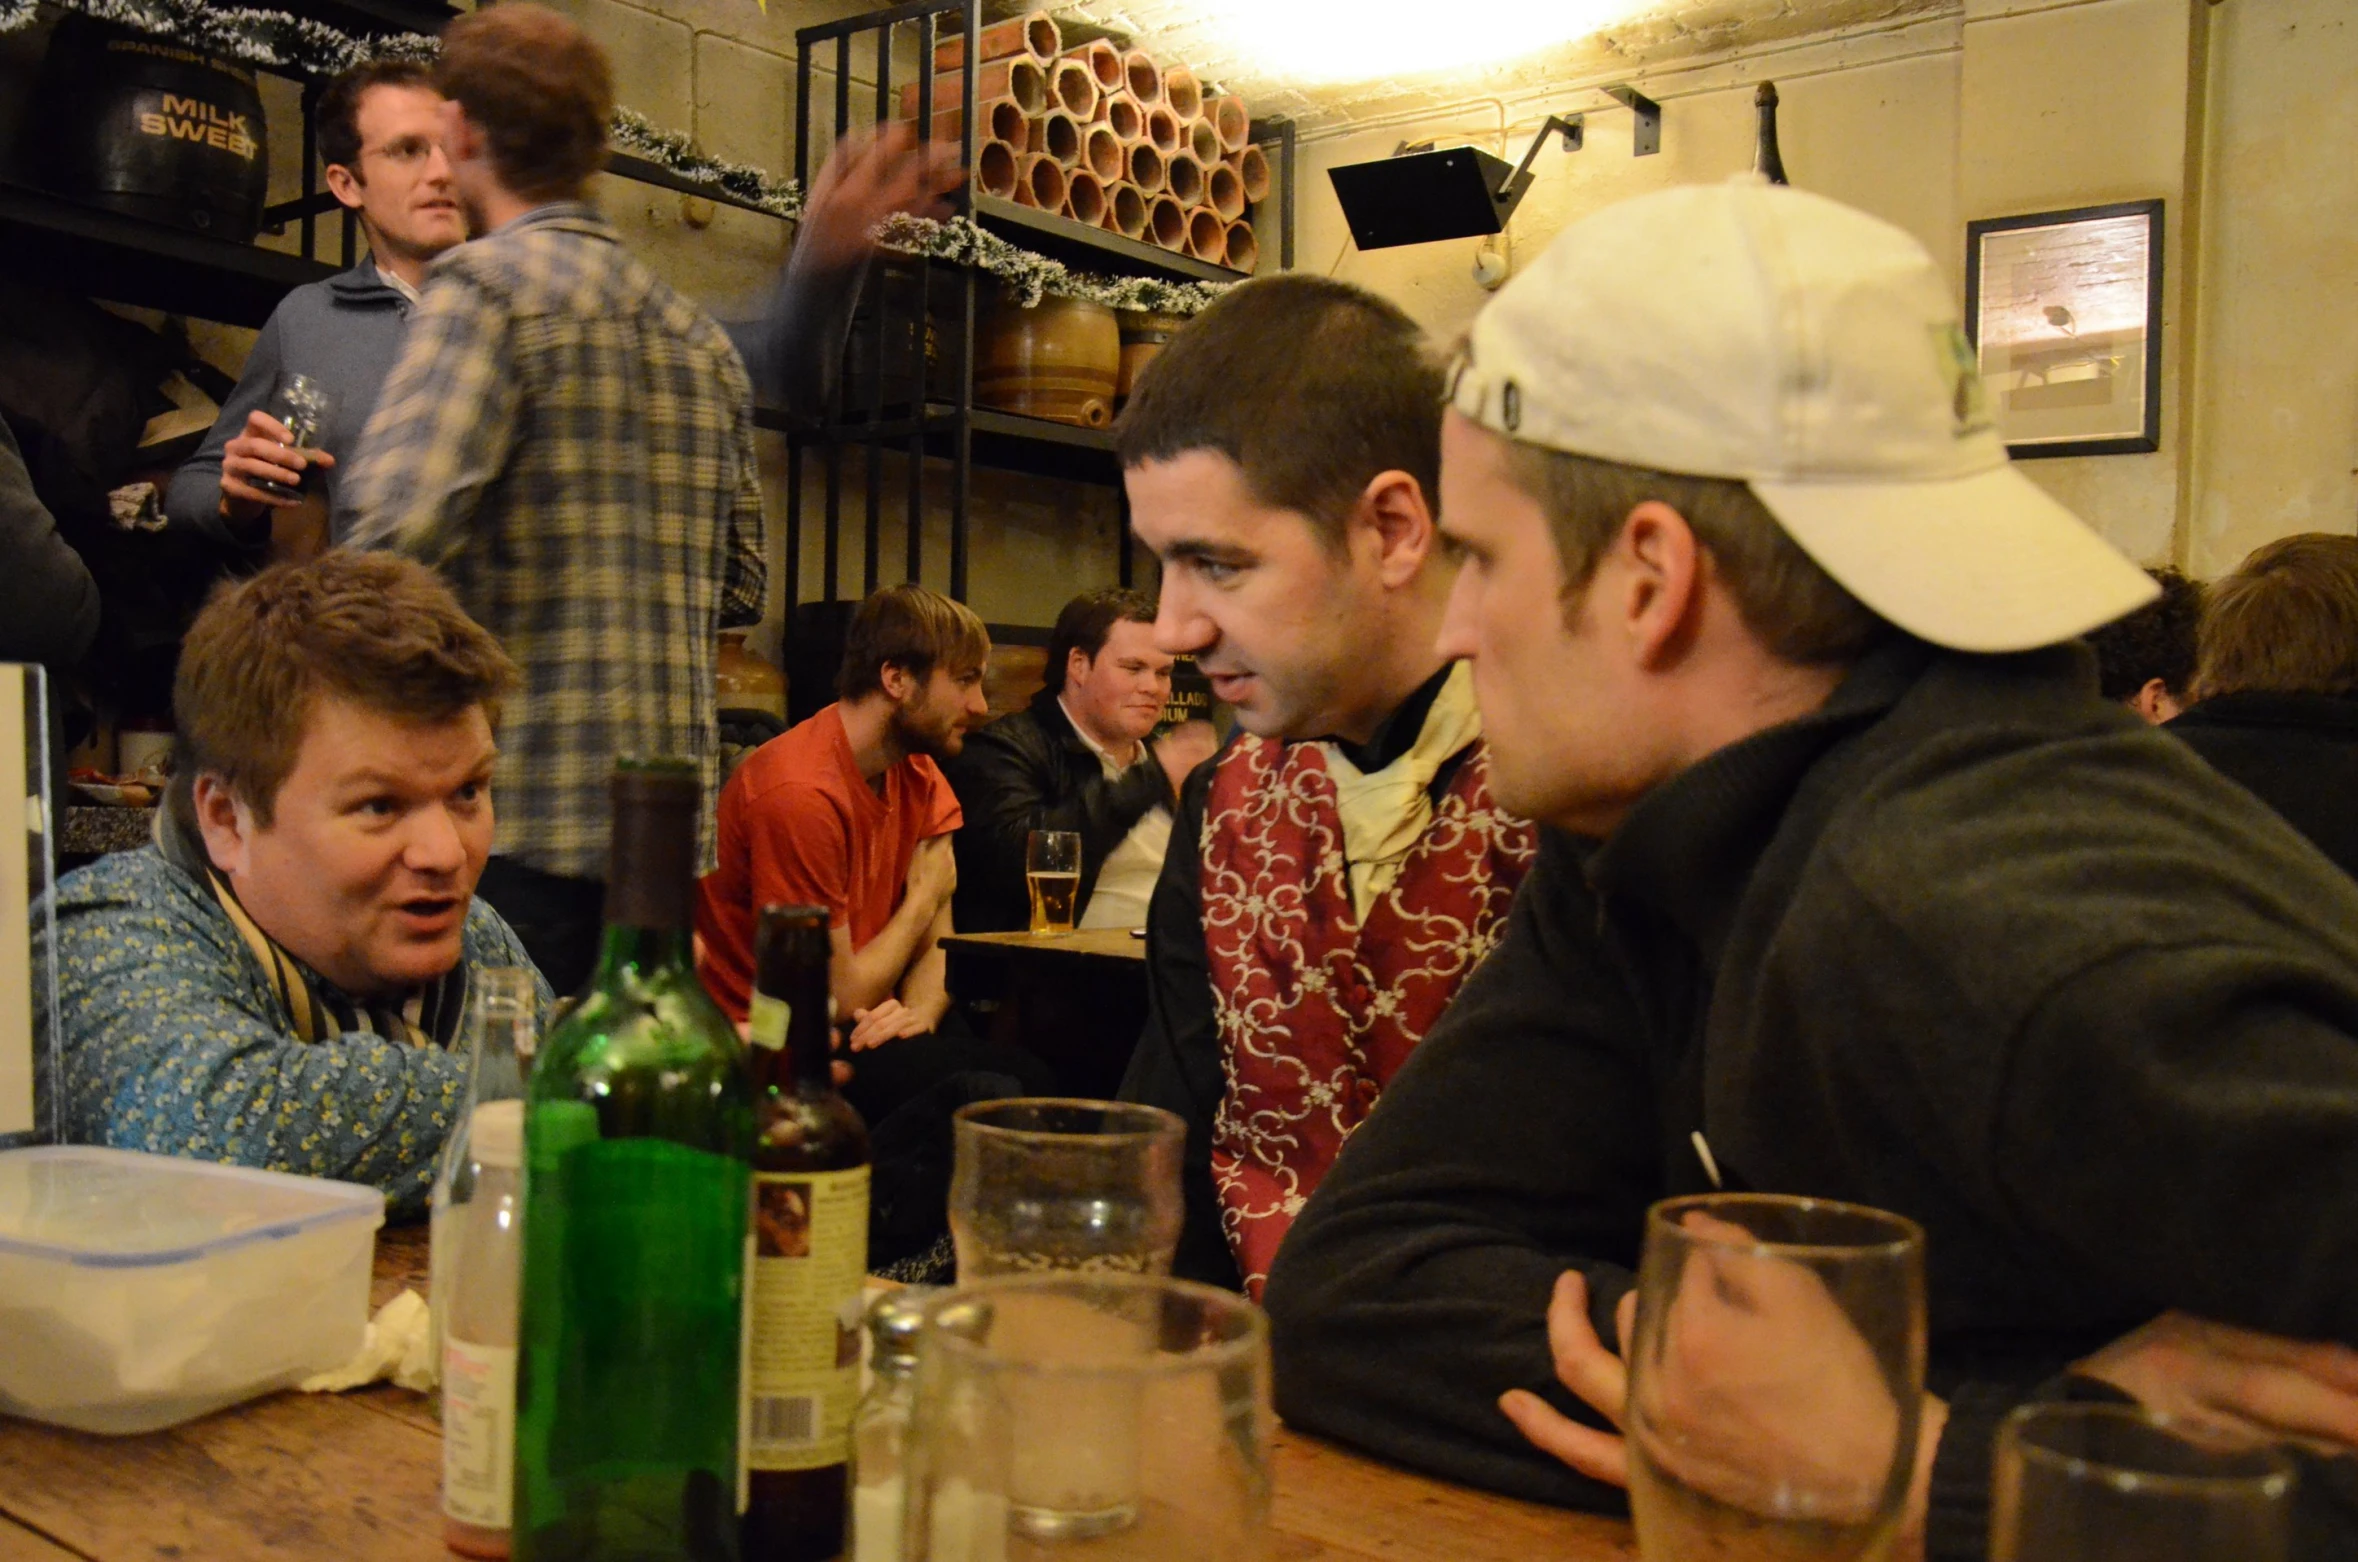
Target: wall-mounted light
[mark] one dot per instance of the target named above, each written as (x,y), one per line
(1461,192)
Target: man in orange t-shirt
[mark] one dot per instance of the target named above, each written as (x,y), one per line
(849,811)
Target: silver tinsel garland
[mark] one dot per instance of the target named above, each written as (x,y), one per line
(275,40)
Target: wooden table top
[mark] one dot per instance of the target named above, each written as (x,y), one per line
(1116,943)
(356,1477)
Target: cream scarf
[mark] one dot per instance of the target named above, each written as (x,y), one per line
(1385,812)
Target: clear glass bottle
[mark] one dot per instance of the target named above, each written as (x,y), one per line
(880,1428)
(502,1005)
(479,1345)
(638,1138)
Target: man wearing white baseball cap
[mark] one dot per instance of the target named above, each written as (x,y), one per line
(1853,887)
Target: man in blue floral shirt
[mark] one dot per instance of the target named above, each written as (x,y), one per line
(278,980)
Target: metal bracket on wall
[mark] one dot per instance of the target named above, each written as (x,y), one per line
(1646,134)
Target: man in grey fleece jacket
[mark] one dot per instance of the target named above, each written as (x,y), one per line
(1855,890)
(379,127)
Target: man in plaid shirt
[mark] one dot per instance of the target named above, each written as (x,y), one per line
(570,442)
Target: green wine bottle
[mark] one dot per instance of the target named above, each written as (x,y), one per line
(638,1133)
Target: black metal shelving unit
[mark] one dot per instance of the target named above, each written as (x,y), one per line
(922,417)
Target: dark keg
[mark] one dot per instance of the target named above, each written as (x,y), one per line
(144,126)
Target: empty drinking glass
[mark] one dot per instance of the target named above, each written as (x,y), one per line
(1052,871)
(1046,1184)
(2112,1483)
(1776,1376)
(1090,1416)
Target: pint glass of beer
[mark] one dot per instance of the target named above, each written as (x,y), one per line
(1052,870)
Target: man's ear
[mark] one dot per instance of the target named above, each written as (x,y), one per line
(896,681)
(344,185)
(2155,702)
(1663,568)
(1077,663)
(1395,514)
(226,824)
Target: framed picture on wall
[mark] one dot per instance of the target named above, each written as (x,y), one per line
(2065,313)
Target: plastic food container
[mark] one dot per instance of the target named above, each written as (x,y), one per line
(140,1291)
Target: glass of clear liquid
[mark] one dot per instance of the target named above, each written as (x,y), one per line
(1044,1183)
(1776,1379)
(302,404)
(1052,871)
(2111,1483)
(1078,1416)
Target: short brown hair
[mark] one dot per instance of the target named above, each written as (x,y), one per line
(538,88)
(913,629)
(1311,386)
(1085,622)
(373,628)
(2156,641)
(2286,622)
(337,119)
(1797,611)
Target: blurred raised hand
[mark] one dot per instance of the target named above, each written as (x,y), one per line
(872,175)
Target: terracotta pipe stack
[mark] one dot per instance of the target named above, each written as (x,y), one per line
(1224,191)
(1244,249)
(1107,138)
(1032,34)
(1127,210)
(1040,182)
(1185,178)
(1231,122)
(1102,152)
(1073,88)
(1203,141)
(1084,198)
(1146,167)
(1166,221)
(1207,235)
(1060,138)
(996,168)
(1143,77)
(1252,166)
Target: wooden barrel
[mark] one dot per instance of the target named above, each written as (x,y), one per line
(143,126)
(1060,359)
(1143,335)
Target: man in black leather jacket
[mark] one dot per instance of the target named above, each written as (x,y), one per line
(1077,760)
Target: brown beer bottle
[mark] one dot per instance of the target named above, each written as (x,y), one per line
(810,1225)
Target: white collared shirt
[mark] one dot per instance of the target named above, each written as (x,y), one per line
(1126,883)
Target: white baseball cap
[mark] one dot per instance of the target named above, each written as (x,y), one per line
(1744,330)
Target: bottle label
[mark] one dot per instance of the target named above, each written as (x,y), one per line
(803,1367)
(478,1432)
(765,1021)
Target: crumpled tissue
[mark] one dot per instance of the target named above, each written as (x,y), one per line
(399,1346)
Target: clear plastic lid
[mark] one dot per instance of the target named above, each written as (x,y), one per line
(118,1209)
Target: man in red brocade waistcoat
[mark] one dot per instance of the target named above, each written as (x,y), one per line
(1339,869)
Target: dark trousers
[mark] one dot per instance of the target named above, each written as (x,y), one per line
(558,920)
(908,1091)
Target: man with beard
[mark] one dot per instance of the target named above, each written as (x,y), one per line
(1338,871)
(849,811)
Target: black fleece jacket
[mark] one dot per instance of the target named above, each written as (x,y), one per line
(1968,944)
(1030,770)
(2297,752)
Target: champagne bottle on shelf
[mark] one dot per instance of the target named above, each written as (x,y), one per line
(810,1217)
(637,1138)
(1767,160)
